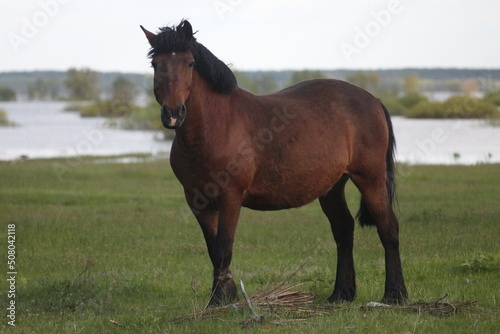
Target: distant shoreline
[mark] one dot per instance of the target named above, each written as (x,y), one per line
(430,78)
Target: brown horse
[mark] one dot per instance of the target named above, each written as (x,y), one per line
(273,152)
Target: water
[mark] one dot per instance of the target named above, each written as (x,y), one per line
(454,141)
(44,130)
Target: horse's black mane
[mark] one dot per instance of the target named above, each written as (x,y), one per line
(218,75)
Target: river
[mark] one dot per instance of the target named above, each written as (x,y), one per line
(45,130)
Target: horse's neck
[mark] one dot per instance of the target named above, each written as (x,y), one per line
(205,110)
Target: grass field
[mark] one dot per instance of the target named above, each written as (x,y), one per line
(109,247)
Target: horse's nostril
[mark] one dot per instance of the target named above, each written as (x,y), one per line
(164,110)
(182,111)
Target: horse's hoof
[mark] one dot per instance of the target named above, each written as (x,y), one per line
(223,292)
(395,297)
(342,295)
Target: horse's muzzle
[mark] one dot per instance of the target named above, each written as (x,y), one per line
(173,119)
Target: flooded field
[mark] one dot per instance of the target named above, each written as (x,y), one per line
(45,130)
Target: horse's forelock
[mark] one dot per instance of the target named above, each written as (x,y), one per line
(170,40)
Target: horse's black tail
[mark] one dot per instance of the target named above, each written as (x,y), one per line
(364,216)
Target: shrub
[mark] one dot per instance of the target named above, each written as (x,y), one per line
(4,121)
(7,94)
(412,99)
(454,107)
(107,108)
(468,107)
(146,118)
(426,109)
(492,97)
(76,106)
(395,107)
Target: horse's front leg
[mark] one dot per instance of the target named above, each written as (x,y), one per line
(208,220)
(224,289)
(218,228)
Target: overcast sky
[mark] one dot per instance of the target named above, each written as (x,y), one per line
(254,34)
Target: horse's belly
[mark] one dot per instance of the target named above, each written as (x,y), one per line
(278,196)
(267,203)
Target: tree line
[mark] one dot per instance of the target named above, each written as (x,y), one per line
(52,84)
(405,97)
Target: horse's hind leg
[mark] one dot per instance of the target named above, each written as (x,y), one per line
(375,196)
(335,207)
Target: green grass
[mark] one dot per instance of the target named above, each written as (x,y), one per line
(104,242)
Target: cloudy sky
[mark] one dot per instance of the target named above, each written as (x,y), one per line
(254,34)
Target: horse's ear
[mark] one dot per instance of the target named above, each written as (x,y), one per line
(186,30)
(149,35)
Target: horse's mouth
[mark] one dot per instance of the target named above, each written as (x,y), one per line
(172,122)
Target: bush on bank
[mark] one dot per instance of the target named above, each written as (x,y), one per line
(418,106)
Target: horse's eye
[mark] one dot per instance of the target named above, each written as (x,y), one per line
(191,64)
(153,65)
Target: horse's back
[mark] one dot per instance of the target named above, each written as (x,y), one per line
(329,111)
(321,91)
(337,108)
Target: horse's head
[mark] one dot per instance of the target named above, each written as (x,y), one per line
(173,65)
